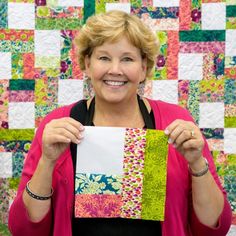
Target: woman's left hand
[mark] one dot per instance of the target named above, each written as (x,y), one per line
(187,138)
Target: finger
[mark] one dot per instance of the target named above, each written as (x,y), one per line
(183,136)
(65,133)
(57,138)
(176,123)
(67,120)
(69,126)
(193,144)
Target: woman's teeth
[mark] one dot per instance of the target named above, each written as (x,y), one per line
(114,83)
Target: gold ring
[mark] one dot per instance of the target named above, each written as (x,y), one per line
(192,133)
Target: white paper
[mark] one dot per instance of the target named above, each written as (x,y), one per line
(101,151)
(165,3)
(230,140)
(118,6)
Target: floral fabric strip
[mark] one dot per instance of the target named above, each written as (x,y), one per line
(133,173)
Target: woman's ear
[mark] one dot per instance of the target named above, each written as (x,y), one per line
(144,67)
(87,65)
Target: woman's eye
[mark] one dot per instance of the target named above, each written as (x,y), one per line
(127,59)
(104,58)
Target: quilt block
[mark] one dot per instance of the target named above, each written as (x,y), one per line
(196,69)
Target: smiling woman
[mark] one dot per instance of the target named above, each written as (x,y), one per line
(118,51)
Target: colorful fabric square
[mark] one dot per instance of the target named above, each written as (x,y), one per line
(130,195)
(97,206)
(97,184)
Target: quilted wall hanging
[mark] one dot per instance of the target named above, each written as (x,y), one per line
(196,69)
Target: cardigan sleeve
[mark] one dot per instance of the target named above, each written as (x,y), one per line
(19,222)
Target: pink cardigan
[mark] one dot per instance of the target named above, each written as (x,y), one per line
(179,216)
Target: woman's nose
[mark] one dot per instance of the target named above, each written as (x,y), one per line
(115,68)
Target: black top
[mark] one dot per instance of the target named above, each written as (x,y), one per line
(110,226)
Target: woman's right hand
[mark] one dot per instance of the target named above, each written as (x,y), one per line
(57,135)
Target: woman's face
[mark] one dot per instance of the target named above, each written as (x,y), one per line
(116,69)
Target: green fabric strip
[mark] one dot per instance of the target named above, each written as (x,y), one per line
(89,9)
(16,134)
(17,66)
(16,46)
(202,35)
(154,183)
(230,11)
(193,99)
(22,84)
(58,23)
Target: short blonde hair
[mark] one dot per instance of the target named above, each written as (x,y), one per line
(110,27)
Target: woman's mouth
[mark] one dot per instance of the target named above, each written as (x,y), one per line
(114,83)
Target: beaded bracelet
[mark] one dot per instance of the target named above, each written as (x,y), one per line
(202,172)
(35,196)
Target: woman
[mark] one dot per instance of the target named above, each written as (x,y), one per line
(117,52)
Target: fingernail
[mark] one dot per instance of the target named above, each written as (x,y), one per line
(166,131)
(77,141)
(169,140)
(81,128)
(81,135)
(174,145)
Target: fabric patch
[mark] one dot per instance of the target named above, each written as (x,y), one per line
(165,90)
(21,115)
(21,16)
(21,96)
(213,16)
(185,15)
(58,23)
(97,184)
(183,93)
(17,164)
(194,98)
(16,35)
(208,67)
(3,13)
(211,91)
(4,200)
(211,115)
(4,100)
(5,65)
(133,173)
(153,196)
(104,206)
(230,88)
(172,54)
(69,91)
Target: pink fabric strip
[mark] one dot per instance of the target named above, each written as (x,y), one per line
(185,15)
(202,47)
(172,54)
(21,96)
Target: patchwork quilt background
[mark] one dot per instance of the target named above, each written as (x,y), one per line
(196,69)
